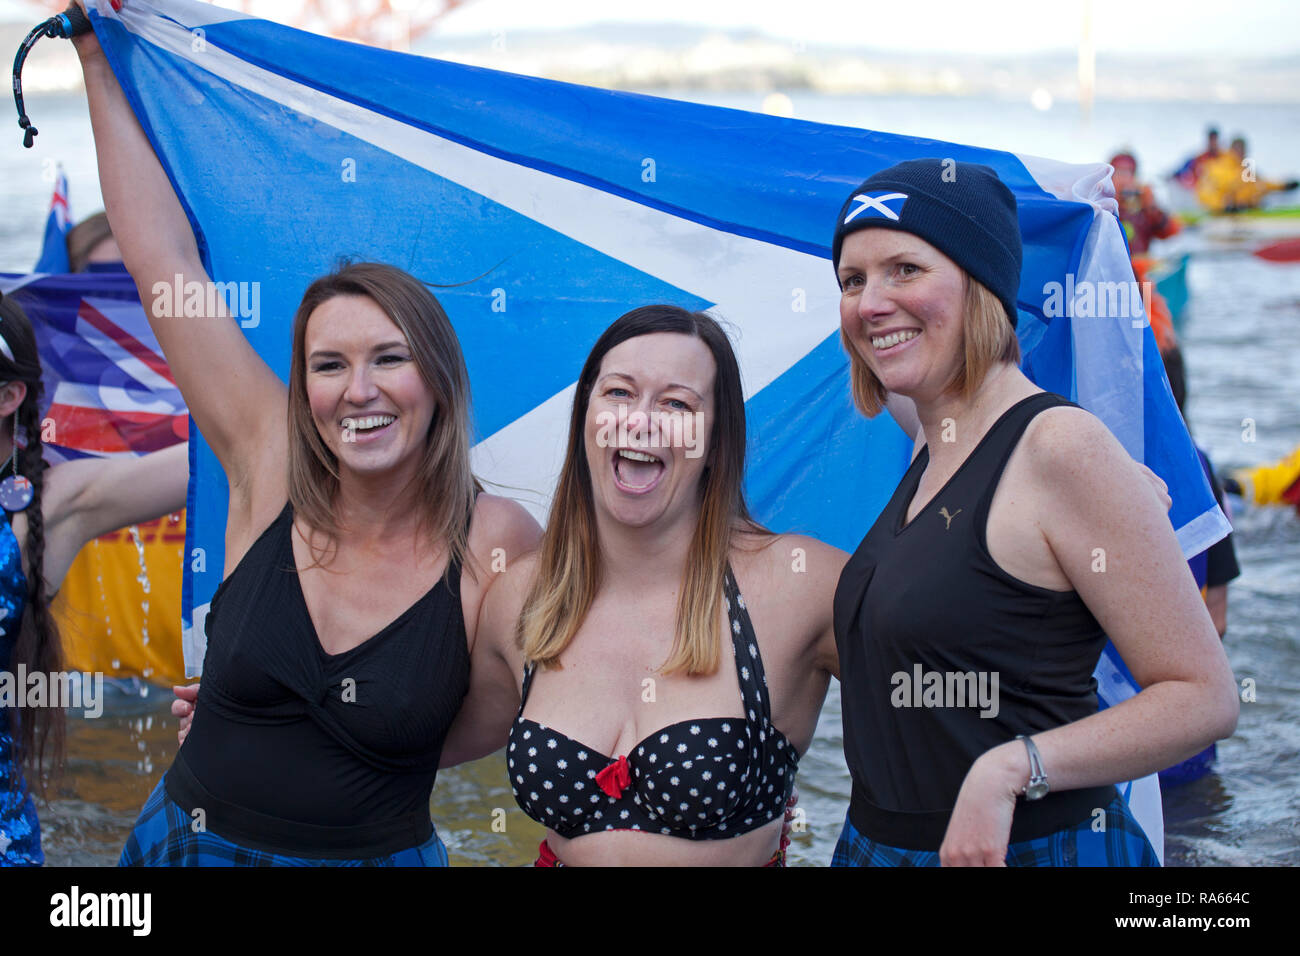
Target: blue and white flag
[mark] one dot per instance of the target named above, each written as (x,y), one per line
(559,207)
(54,247)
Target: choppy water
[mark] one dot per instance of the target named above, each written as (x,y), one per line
(1243,362)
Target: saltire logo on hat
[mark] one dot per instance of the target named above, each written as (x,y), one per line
(880,205)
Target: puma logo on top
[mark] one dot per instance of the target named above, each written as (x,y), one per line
(947,518)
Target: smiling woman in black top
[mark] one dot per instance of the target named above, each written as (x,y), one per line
(357,549)
(974,611)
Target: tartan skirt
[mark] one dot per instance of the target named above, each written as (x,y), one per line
(1121,843)
(164,836)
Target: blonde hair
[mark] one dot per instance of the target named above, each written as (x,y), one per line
(568,565)
(446,486)
(987,339)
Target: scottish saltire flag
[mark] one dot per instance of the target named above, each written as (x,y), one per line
(54,248)
(549,209)
(876,205)
(108,390)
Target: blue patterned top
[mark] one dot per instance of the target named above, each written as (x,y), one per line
(20,832)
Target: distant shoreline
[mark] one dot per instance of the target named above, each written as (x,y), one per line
(651,58)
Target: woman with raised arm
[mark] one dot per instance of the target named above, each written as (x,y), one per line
(971,617)
(50,511)
(339,639)
(671,654)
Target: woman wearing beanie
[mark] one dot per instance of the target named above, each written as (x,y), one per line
(971,617)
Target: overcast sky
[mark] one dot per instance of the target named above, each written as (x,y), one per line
(1246,28)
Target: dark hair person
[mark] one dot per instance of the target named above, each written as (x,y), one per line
(972,615)
(339,639)
(671,654)
(90,242)
(49,513)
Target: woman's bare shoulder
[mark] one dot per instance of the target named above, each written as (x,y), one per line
(1070,445)
(501,530)
(798,567)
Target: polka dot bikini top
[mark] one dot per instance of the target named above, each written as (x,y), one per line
(705,779)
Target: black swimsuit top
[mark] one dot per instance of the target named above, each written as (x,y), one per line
(945,655)
(295,749)
(702,779)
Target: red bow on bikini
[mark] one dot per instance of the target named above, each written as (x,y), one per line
(615,777)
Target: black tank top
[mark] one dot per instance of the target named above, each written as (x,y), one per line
(296,750)
(924,620)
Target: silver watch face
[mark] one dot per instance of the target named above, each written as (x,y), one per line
(1037,789)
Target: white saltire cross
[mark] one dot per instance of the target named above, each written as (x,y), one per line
(874,202)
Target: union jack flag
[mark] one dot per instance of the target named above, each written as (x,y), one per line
(107,387)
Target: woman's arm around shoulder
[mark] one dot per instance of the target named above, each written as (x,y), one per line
(501,532)
(805,572)
(788,582)
(496,668)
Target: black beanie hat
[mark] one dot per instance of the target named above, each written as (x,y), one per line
(962,209)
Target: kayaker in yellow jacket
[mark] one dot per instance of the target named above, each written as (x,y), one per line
(1229,183)
(1275,484)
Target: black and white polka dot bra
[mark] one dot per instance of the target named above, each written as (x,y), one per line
(705,779)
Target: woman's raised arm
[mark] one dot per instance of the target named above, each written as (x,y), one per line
(92,496)
(237,401)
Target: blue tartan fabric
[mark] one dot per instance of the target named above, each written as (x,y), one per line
(1122,843)
(164,836)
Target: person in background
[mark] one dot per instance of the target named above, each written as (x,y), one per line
(1191,170)
(91,245)
(1229,182)
(1277,483)
(1216,567)
(1141,216)
(49,512)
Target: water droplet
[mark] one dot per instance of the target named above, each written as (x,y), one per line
(143,576)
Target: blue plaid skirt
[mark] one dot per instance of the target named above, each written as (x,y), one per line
(1122,843)
(164,836)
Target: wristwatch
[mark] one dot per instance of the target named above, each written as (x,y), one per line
(1037,787)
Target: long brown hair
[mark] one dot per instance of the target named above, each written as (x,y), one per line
(38,647)
(446,485)
(568,566)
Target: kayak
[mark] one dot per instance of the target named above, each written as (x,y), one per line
(1248,224)
(1249,216)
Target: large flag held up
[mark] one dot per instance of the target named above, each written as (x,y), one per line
(550,209)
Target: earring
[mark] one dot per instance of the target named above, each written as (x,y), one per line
(16,491)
